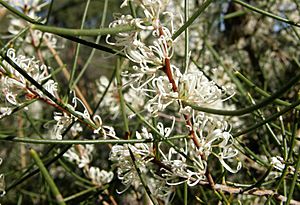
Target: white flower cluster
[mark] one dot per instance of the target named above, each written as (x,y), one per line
(63,120)
(33,38)
(165,84)
(213,133)
(14,87)
(82,156)
(150,58)
(31,7)
(279,165)
(180,171)
(111,102)
(120,155)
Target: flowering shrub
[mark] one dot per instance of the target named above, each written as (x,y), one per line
(180,106)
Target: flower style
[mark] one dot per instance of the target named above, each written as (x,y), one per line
(165,131)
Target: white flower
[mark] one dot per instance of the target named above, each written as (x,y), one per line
(165,131)
(14,85)
(99,177)
(63,120)
(277,163)
(121,158)
(144,135)
(80,154)
(5,111)
(125,38)
(109,131)
(51,87)
(212,134)
(150,57)
(76,129)
(47,37)
(151,8)
(180,171)
(33,5)
(111,102)
(164,95)
(160,189)
(145,56)
(195,87)
(30,8)
(134,97)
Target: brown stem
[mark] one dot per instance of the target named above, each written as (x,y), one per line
(35,95)
(67,76)
(208,175)
(254,192)
(37,50)
(167,70)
